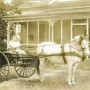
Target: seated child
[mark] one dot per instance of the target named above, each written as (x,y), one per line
(15,46)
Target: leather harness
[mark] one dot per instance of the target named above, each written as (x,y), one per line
(63,54)
(73,53)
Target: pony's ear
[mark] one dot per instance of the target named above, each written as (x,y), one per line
(81,38)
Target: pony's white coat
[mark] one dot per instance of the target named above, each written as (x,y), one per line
(47,48)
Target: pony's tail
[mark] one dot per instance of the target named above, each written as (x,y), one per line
(37,66)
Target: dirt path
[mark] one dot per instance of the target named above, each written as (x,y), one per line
(55,79)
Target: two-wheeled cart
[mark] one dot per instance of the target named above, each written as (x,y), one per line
(25,65)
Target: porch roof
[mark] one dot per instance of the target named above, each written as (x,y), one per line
(72,9)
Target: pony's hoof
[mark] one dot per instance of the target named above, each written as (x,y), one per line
(41,80)
(73,83)
(69,83)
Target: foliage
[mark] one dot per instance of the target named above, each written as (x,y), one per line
(12,29)
(16,4)
(4,9)
(3,26)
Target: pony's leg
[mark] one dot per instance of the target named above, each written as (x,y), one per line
(41,68)
(69,72)
(73,72)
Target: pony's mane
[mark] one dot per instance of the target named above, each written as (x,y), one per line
(77,38)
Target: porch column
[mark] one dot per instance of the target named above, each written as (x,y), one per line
(87,27)
(61,31)
(8,35)
(52,30)
(49,29)
(38,32)
(27,35)
(71,29)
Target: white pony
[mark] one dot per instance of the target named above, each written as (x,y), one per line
(72,53)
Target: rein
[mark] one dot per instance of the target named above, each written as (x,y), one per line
(75,48)
(60,54)
(63,54)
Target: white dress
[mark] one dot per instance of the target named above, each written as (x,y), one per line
(14,46)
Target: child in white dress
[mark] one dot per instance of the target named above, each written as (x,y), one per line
(15,45)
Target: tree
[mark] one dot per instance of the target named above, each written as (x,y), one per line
(3,26)
(17,3)
(4,8)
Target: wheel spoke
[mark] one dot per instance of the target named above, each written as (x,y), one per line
(18,69)
(23,71)
(2,72)
(31,68)
(28,70)
(4,66)
(4,69)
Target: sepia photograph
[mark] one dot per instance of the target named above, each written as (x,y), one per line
(44,45)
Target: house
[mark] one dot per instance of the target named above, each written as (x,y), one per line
(50,20)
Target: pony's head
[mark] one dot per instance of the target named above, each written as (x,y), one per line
(77,40)
(81,43)
(84,46)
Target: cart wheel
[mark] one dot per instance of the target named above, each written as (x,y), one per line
(4,66)
(26,68)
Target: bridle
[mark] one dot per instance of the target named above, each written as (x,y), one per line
(82,49)
(74,48)
(81,39)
